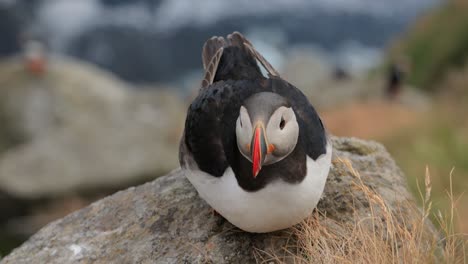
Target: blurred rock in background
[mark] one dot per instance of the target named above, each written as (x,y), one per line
(78,129)
(148,41)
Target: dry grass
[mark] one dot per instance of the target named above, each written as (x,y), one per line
(368,239)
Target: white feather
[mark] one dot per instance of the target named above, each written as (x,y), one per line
(277,206)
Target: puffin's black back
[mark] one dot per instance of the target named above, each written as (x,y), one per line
(237,64)
(211,122)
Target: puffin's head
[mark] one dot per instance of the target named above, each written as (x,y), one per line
(266,129)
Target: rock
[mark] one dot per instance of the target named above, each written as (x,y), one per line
(78,127)
(165,221)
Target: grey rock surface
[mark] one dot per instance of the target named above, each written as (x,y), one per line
(164,221)
(78,126)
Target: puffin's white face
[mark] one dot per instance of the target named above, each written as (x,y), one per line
(264,146)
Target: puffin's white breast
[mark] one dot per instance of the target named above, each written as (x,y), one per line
(277,206)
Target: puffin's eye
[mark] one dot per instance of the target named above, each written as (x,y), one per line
(240,121)
(282,123)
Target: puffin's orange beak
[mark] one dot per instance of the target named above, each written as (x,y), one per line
(258,149)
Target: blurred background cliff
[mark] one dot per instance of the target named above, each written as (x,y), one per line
(93,93)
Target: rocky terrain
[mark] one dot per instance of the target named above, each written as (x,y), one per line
(164,221)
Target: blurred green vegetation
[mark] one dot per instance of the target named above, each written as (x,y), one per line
(440,143)
(437,43)
(435,51)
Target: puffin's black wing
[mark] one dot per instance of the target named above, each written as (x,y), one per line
(211,123)
(211,57)
(231,76)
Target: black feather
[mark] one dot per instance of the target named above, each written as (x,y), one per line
(211,122)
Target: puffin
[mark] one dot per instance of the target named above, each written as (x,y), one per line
(253,146)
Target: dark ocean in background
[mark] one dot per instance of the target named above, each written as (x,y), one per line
(146,41)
